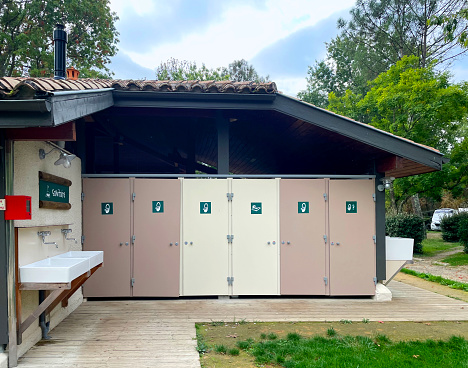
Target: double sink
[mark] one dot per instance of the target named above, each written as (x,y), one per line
(62,268)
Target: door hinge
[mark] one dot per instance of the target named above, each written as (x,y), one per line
(373,196)
(82,239)
(230,196)
(375,281)
(82,196)
(326,280)
(325,196)
(230,280)
(325,239)
(230,238)
(133,196)
(132,281)
(374,238)
(133,239)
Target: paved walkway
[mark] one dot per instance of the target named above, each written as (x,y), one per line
(161,333)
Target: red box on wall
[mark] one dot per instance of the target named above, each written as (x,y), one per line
(17,207)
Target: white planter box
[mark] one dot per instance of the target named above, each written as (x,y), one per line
(399,249)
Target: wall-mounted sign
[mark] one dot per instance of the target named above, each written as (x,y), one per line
(107,208)
(205,208)
(256,208)
(302,207)
(2,204)
(158,206)
(351,207)
(53,192)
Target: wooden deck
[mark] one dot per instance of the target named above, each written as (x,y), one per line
(161,333)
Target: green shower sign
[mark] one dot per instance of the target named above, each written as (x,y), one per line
(53,192)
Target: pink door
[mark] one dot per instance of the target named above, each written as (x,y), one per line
(352,227)
(302,230)
(106,226)
(157,229)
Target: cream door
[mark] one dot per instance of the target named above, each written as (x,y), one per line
(302,225)
(106,226)
(205,226)
(156,252)
(255,247)
(352,227)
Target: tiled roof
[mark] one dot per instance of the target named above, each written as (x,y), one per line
(27,88)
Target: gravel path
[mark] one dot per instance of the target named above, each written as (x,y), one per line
(434,266)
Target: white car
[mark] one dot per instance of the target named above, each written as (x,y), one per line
(439,215)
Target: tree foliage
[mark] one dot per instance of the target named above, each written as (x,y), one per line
(418,104)
(238,71)
(26,31)
(450,23)
(379,33)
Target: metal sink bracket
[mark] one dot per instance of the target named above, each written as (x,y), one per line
(44,234)
(65,232)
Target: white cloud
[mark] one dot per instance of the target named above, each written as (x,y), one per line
(240,32)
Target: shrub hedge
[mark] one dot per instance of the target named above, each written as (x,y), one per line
(463,232)
(407,226)
(450,227)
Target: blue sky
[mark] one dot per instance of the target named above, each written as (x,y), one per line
(280,38)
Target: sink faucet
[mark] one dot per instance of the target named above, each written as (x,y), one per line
(44,234)
(65,232)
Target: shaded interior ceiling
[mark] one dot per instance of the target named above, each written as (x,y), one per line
(151,140)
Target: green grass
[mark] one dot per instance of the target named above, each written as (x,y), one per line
(458,259)
(360,351)
(434,244)
(440,280)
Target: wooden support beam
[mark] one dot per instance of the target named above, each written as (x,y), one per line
(54,205)
(37,312)
(44,286)
(64,132)
(54,179)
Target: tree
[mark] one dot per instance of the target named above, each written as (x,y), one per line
(379,34)
(242,71)
(174,69)
(419,104)
(26,31)
(450,23)
(237,71)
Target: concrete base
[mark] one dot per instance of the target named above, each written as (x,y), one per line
(382,293)
(3,360)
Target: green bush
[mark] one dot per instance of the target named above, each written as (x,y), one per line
(449,227)
(407,226)
(463,232)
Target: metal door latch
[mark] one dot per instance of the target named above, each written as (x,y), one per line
(230,280)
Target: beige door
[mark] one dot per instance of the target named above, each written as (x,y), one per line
(205,252)
(157,229)
(255,248)
(106,226)
(302,230)
(352,227)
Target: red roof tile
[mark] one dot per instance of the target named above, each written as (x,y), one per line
(27,88)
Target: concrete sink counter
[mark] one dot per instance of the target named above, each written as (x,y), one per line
(62,268)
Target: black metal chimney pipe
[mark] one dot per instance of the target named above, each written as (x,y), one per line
(60,42)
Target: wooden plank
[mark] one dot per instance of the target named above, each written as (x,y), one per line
(54,179)
(43,286)
(54,205)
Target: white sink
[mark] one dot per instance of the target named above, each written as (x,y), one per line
(95,256)
(63,268)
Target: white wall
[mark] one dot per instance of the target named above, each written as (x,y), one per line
(27,165)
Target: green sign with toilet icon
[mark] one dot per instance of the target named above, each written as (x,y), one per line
(205,208)
(158,206)
(107,208)
(302,207)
